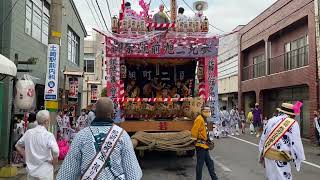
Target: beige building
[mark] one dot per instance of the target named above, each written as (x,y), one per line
(92,66)
(228,69)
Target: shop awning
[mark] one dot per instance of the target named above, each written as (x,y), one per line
(7,67)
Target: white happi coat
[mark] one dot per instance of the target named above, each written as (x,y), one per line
(64,126)
(234,117)
(82,121)
(291,141)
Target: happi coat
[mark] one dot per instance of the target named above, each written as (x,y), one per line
(291,142)
(122,165)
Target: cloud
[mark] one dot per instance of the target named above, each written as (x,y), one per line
(224,14)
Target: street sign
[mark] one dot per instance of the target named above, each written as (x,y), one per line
(52,78)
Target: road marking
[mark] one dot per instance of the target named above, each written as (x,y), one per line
(224,168)
(248,142)
(245,141)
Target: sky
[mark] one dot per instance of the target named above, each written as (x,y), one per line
(223,14)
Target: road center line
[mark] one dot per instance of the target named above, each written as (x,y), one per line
(248,142)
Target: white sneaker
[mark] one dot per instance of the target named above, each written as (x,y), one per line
(251,133)
(232,134)
(237,134)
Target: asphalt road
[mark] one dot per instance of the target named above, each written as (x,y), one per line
(235,159)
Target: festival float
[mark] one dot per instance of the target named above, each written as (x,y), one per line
(160,75)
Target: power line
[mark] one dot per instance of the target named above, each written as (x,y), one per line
(94,17)
(109,10)
(102,15)
(195,13)
(6,18)
(95,10)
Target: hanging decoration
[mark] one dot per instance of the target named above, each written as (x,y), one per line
(163,46)
(94,93)
(145,9)
(73,89)
(213,88)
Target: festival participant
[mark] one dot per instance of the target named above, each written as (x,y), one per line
(85,159)
(133,91)
(234,121)
(317,126)
(40,149)
(181,16)
(250,121)
(92,113)
(174,92)
(226,121)
(32,123)
(200,134)
(161,18)
(64,126)
(257,119)
(147,90)
(243,122)
(157,86)
(281,144)
(82,121)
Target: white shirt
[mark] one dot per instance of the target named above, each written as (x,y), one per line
(182,17)
(39,143)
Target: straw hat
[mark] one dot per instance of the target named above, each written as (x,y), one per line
(286,108)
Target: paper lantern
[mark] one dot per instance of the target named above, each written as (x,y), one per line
(134,25)
(205,25)
(115,23)
(25,96)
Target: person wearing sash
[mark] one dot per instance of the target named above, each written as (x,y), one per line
(200,134)
(101,151)
(281,144)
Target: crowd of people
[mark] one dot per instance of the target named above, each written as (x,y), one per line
(234,122)
(68,124)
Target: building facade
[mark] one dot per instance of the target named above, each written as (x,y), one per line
(278,60)
(228,69)
(24,37)
(92,67)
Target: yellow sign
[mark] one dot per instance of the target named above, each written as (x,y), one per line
(51,105)
(56,34)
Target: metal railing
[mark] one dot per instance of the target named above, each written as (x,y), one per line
(254,71)
(290,60)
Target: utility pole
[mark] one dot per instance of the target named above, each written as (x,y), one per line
(55,24)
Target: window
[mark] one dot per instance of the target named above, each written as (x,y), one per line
(296,53)
(259,66)
(88,66)
(37,20)
(73,46)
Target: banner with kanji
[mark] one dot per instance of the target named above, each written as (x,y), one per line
(213,87)
(113,82)
(94,93)
(163,45)
(73,89)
